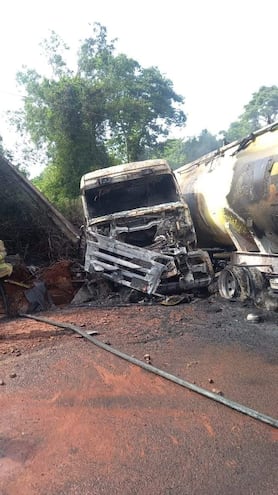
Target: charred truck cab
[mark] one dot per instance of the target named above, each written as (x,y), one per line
(139,231)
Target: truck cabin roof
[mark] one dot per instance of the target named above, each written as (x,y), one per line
(119,173)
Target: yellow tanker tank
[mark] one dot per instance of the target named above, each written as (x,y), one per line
(232,195)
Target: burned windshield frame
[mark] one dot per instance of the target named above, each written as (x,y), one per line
(142,192)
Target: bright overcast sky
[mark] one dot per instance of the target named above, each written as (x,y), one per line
(216,52)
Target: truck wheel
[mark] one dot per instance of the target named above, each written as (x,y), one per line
(257,281)
(234,283)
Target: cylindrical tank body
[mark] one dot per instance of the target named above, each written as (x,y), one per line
(235,190)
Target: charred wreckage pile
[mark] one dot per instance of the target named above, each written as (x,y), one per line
(36,236)
(150,233)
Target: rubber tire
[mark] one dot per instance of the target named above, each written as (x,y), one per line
(234,283)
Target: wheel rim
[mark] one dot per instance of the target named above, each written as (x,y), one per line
(228,286)
(234,283)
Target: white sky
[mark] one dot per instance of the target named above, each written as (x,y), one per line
(217,53)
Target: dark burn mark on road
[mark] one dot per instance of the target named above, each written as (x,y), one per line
(18,449)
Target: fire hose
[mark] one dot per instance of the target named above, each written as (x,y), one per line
(164,374)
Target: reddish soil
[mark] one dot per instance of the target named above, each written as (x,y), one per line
(78,420)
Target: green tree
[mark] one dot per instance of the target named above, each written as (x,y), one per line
(174,152)
(196,147)
(171,150)
(4,152)
(142,108)
(64,117)
(178,151)
(237,130)
(48,182)
(261,110)
(106,112)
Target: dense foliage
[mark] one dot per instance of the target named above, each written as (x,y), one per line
(108,111)
(178,152)
(261,110)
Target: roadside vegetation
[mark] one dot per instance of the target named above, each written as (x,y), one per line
(107,110)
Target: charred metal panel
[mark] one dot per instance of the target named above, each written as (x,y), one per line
(131,266)
(204,188)
(235,190)
(267,264)
(254,196)
(169,224)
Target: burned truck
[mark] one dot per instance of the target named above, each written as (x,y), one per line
(139,232)
(232,194)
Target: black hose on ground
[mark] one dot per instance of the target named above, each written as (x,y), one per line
(148,367)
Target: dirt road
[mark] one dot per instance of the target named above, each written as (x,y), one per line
(78,420)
